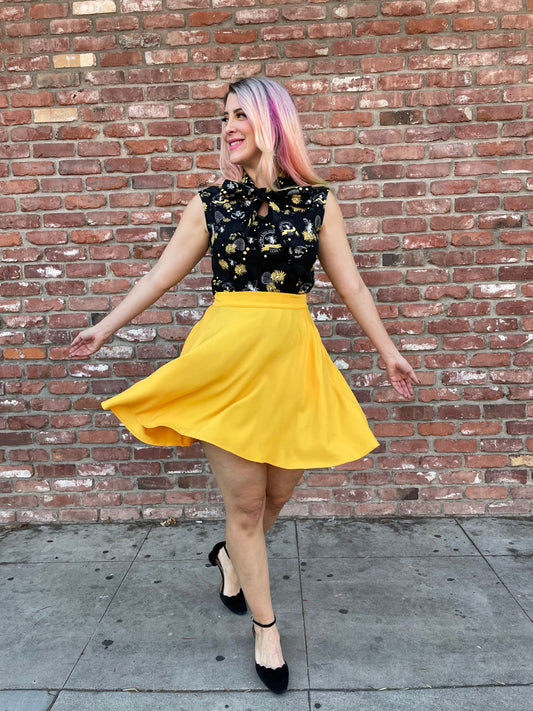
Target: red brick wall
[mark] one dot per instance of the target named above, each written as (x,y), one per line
(419,114)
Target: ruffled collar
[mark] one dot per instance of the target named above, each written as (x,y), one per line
(282,182)
(286,192)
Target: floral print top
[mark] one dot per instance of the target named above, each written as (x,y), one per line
(276,252)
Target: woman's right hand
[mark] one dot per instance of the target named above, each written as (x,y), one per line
(87,342)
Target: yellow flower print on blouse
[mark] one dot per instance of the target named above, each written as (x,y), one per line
(240,269)
(278,276)
(231,248)
(297,203)
(223,264)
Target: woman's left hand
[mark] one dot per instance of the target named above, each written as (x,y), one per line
(401,375)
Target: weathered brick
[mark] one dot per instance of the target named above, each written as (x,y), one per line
(235,36)
(93,7)
(406,8)
(55,115)
(499,5)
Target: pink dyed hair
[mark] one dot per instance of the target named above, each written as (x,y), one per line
(278,133)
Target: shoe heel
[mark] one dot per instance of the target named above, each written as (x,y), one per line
(213,555)
(235,603)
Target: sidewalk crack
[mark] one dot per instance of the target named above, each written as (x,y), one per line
(104,613)
(498,576)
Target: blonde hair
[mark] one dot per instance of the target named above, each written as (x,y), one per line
(277,130)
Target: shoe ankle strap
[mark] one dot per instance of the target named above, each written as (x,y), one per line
(259,624)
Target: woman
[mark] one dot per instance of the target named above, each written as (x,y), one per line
(254,383)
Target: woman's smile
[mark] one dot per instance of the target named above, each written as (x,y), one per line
(234,143)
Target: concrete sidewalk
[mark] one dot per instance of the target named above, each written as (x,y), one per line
(388,615)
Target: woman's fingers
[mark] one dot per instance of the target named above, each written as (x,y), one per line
(402,387)
(403,381)
(79,350)
(84,344)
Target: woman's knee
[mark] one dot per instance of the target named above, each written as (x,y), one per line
(275,502)
(246,512)
(280,486)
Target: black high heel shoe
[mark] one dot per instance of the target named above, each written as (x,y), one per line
(235,603)
(276,680)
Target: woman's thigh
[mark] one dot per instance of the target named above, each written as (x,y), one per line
(242,483)
(281,482)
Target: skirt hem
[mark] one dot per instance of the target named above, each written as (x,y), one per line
(133,425)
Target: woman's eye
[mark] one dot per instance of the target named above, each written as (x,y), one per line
(238,115)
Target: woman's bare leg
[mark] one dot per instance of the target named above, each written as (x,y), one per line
(243,485)
(280,487)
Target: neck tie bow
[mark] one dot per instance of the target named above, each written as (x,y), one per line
(286,196)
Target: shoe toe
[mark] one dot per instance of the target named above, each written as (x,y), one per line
(277,680)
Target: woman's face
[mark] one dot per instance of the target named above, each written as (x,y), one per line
(238,133)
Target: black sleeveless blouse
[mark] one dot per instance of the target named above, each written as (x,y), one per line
(276,252)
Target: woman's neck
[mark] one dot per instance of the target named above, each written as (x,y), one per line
(256,177)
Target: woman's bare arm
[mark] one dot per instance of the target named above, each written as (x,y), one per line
(187,246)
(337,260)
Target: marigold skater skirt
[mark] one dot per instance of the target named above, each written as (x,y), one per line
(255,379)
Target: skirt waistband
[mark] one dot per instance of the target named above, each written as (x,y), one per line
(260,299)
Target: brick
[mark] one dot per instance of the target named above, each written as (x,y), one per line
(392,118)
(377,99)
(55,115)
(382,64)
(452,7)
(117,24)
(449,115)
(426,26)
(499,5)
(500,148)
(78,515)
(141,5)
(352,47)
(16,117)
(450,42)
(12,13)
(235,36)
(517,22)
(39,99)
(341,29)
(63,61)
(120,59)
(93,7)
(486,492)
(403,8)
(25,29)
(503,39)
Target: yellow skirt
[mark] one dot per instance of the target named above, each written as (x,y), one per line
(254,379)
